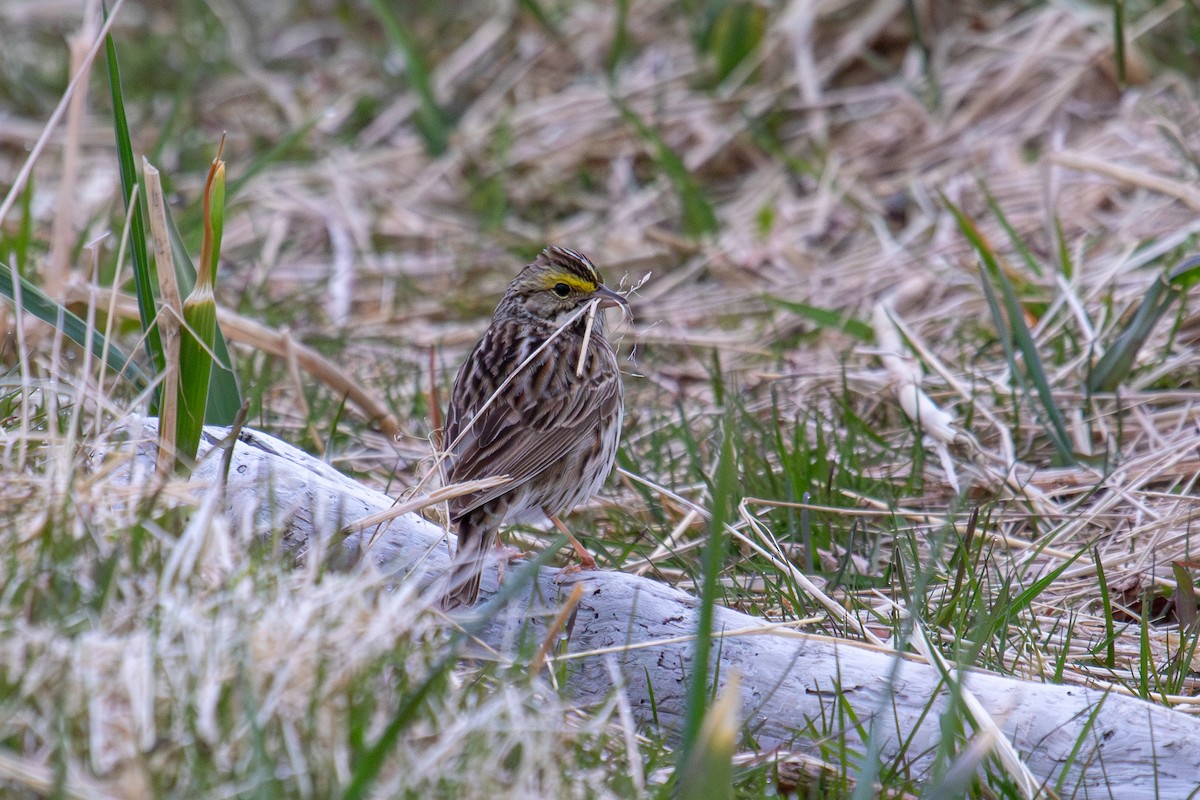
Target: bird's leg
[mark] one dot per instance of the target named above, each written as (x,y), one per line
(585,558)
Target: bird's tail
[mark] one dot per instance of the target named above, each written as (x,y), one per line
(474,541)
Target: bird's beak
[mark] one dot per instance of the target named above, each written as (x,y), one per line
(610,299)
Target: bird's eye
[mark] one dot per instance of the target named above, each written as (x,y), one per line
(561,289)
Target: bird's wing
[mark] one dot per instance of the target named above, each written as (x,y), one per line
(521,434)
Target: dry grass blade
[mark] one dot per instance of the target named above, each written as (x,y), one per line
(42,779)
(439,495)
(168,318)
(556,627)
(1180,190)
(78,77)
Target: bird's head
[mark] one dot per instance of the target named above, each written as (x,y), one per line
(556,284)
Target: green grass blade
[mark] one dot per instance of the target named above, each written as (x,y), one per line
(1022,337)
(19,245)
(1033,365)
(962,772)
(431,121)
(369,767)
(1013,237)
(1060,660)
(1119,40)
(1064,250)
(1088,729)
(621,41)
(1185,596)
(1024,600)
(921,38)
(698,216)
(1002,331)
(1110,634)
(735,34)
(534,9)
(724,486)
(35,301)
(1146,672)
(143,277)
(1117,362)
(826,318)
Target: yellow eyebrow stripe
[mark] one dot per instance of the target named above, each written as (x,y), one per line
(574,281)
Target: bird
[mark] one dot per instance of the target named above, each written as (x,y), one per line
(552,427)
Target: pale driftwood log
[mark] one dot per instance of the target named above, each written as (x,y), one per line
(1133,748)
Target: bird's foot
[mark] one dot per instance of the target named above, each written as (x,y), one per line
(586,563)
(510,554)
(506,555)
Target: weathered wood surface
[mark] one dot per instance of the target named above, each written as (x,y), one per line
(1136,748)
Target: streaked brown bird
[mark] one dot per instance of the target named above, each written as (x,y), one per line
(552,427)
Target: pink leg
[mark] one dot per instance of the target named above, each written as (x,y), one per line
(585,558)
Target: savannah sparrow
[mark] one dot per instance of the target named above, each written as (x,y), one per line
(552,429)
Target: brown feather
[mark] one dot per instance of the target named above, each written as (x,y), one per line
(551,431)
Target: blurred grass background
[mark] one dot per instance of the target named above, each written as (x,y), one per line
(812,187)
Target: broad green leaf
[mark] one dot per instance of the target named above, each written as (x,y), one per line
(199,331)
(34,301)
(224,396)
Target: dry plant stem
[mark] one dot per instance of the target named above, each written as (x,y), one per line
(1184,192)
(247,331)
(43,781)
(555,628)
(421,502)
(57,265)
(788,679)
(777,558)
(168,317)
(80,76)
(293,371)
(587,336)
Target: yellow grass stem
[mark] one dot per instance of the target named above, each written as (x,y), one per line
(708,771)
